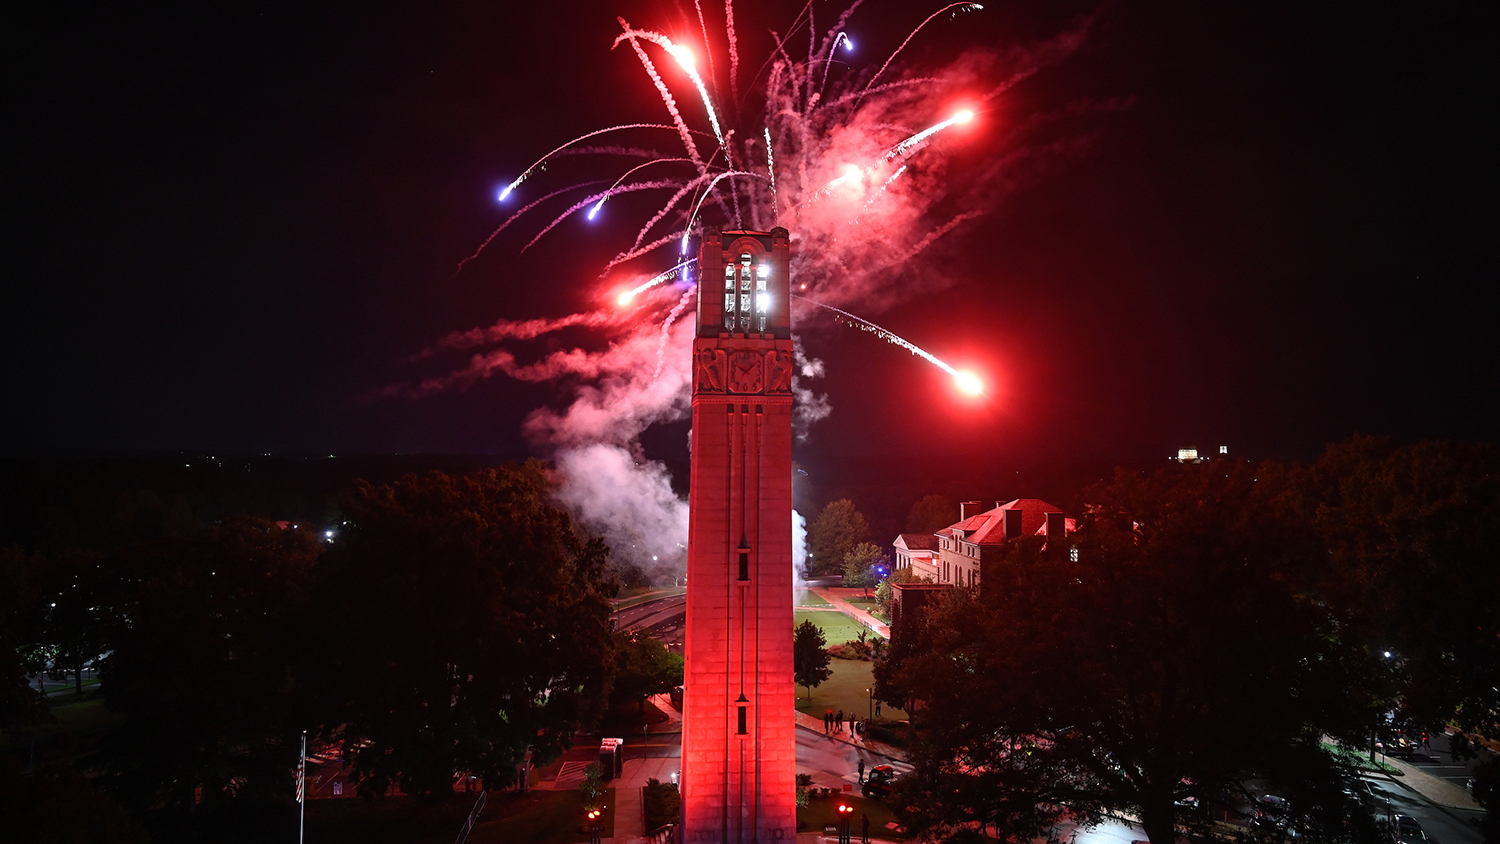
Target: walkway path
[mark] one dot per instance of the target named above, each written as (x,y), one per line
(838,597)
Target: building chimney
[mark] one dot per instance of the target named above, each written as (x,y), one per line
(1057,532)
(969,509)
(1012,523)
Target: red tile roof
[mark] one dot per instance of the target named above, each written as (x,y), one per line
(919,541)
(989,527)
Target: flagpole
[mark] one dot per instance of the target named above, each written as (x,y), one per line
(302,789)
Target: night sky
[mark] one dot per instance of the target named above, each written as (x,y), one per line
(1260,226)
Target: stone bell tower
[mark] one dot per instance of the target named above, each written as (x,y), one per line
(739,750)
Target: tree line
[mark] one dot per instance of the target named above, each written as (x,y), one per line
(450,624)
(1210,627)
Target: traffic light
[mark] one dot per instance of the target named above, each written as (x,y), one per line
(846,812)
(595,820)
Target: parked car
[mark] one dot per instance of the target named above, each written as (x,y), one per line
(1405,829)
(878,782)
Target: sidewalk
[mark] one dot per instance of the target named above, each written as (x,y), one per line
(1437,791)
(880,748)
(828,594)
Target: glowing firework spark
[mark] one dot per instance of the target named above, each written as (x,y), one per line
(525,174)
(905,148)
(966,382)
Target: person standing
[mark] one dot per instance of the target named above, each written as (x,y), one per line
(864,828)
(861,772)
(838,723)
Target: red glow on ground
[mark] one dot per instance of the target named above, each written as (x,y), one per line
(968,383)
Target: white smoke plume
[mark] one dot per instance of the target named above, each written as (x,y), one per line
(627,500)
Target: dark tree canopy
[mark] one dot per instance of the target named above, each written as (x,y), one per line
(836,531)
(1179,654)
(931,514)
(207,634)
(643,667)
(22,636)
(1412,533)
(810,656)
(471,621)
(860,564)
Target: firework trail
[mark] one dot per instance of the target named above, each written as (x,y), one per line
(525,174)
(966,381)
(832,150)
(666,330)
(964,7)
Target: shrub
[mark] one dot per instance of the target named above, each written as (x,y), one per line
(660,803)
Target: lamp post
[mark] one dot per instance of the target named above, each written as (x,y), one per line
(871,692)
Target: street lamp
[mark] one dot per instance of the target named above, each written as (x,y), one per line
(871,692)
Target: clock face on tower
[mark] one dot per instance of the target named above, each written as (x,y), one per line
(745,371)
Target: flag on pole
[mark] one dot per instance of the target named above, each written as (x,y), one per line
(302,768)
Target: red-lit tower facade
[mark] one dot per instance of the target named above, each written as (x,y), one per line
(738,742)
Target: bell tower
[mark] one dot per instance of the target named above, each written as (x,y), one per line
(739,750)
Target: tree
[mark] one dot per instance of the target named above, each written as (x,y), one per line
(885,594)
(22,630)
(833,535)
(1411,533)
(468,619)
(206,641)
(643,667)
(810,656)
(59,805)
(931,514)
(1182,653)
(661,803)
(76,624)
(860,565)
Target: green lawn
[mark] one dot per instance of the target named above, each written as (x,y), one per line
(79,723)
(822,813)
(844,690)
(837,627)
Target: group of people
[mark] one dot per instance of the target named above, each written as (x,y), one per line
(834,723)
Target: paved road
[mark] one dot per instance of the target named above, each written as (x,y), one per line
(1442,825)
(1438,761)
(834,763)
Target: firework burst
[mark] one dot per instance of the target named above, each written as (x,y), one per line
(852,159)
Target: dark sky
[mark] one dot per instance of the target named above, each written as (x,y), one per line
(228,227)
